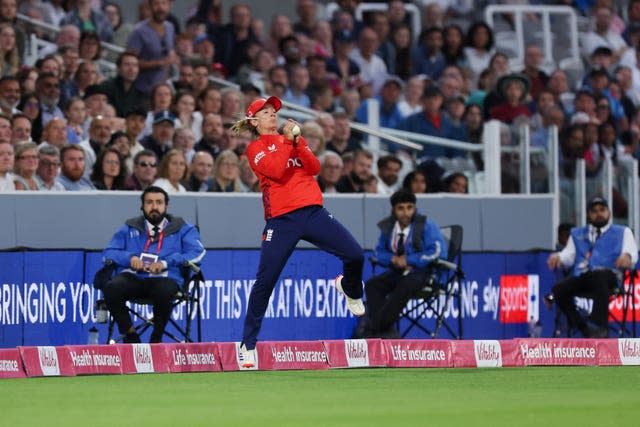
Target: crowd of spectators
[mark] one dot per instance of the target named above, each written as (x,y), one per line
(163,117)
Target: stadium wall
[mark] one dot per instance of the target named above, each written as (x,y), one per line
(47,297)
(87,220)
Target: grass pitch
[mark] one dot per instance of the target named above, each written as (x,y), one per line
(535,396)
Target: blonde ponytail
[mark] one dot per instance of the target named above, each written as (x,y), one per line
(243,125)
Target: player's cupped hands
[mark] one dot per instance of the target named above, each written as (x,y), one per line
(291,130)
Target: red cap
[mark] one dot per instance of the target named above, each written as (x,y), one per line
(259,104)
(220,68)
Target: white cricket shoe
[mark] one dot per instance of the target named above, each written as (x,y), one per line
(355,306)
(247,358)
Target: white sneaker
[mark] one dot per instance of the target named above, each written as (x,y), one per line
(247,358)
(355,306)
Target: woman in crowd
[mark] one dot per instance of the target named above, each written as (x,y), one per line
(86,76)
(184,108)
(478,48)
(120,141)
(109,172)
(227,174)
(9,57)
(456,182)
(161,99)
(25,166)
(184,140)
(416,182)
(89,48)
(249,180)
(453,46)
(30,105)
(312,133)
(172,170)
(401,40)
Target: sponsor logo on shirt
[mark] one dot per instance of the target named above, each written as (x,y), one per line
(272,148)
(294,163)
(258,157)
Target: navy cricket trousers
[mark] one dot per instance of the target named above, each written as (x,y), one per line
(281,234)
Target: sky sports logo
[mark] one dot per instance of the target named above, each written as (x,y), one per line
(519,298)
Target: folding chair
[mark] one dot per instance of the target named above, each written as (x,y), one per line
(189,294)
(441,287)
(626,291)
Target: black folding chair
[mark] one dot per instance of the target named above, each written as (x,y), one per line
(617,324)
(442,286)
(189,294)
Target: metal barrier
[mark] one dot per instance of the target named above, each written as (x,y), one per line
(35,44)
(546,11)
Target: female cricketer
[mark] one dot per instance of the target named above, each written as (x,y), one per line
(293,211)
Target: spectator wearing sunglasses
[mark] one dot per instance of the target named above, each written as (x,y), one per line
(145,168)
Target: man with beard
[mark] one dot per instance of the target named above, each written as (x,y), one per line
(597,254)
(388,170)
(212,133)
(408,244)
(354,182)
(149,251)
(72,169)
(152,40)
(48,91)
(9,95)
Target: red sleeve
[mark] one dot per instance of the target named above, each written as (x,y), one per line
(271,163)
(310,162)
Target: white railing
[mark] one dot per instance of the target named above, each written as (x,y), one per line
(547,12)
(36,44)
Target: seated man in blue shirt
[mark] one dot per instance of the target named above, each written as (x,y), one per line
(408,244)
(149,252)
(595,254)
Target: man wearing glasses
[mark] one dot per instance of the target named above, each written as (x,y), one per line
(48,167)
(145,167)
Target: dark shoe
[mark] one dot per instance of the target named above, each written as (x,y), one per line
(131,338)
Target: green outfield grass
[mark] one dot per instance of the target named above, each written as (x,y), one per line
(558,396)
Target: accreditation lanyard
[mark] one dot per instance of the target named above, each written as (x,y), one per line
(150,239)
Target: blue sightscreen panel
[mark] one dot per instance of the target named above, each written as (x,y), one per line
(59,298)
(11,280)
